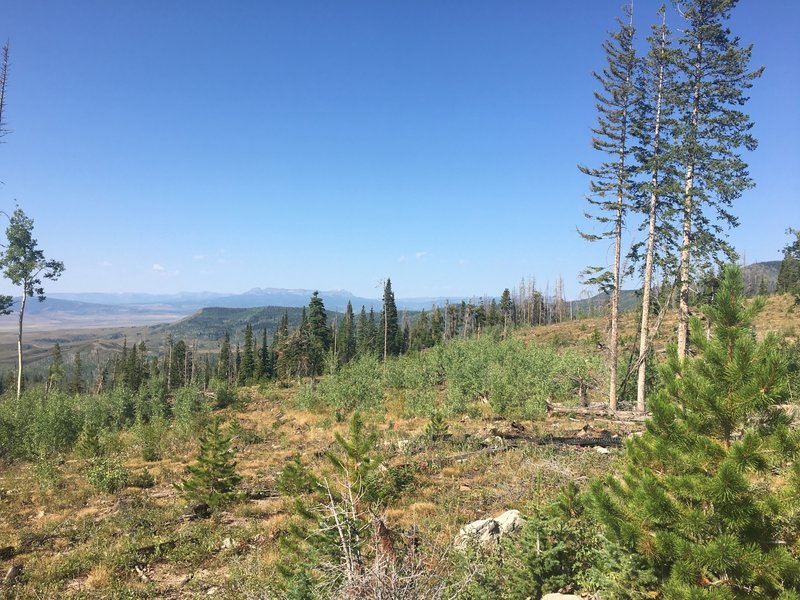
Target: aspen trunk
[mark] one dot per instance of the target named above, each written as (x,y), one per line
(19,340)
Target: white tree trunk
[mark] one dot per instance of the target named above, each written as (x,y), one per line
(19,341)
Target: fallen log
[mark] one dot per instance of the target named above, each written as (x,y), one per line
(599,411)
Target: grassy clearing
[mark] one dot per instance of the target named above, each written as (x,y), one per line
(77,542)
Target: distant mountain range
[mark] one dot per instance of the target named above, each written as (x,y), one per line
(256,297)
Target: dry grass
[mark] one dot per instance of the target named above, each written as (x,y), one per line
(780,315)
(75,543)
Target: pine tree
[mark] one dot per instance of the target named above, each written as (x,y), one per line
(653,126)
(237,364)
(283,328)
(318,333)
(264,358)
(789,274)
(224,363)
(76,384)
(612,181)
(711,130)
(437,326)
(55,373)
(131,369)
(763,287)
(213,479)
(392,335)
(248,367)
(420,336)
(710,493)
(362,338)
(506,309)
(347,336)
(177,365)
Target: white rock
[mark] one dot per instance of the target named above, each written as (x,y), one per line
(489,531)
(510,521)
(561,597)
(601,450)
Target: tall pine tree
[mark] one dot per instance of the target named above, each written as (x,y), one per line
(653,126)
(346,340)
(612,182)
(224,366)
(248,368)
(711,131)
(392,334)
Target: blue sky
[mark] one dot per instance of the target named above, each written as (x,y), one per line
(187,145)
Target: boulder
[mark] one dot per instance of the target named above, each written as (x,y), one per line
(561,597)
(510,521)
(485,532)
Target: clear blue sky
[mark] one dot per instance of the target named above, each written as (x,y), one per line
(187,145)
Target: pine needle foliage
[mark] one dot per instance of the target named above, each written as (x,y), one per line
(213,479)
(329,546)
(437,428)
(710,495)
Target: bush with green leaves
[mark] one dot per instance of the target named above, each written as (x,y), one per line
(112,410)
(358,385)
(150,437)
(150,402)
(513,377)
(39,424)
(107,474)
(190,409)
(46,472)
(212,479)
(711,493)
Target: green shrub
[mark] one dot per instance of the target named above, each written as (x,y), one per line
(110,410)
(358,385)
(150,435)
(513,378)
(150,403)
(88,444)
(142,480)
(560,548)
(437,427)
(107,474)
(43,425)
(191,410)
(225,395)
(46,472)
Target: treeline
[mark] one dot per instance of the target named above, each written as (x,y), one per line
(320,342)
